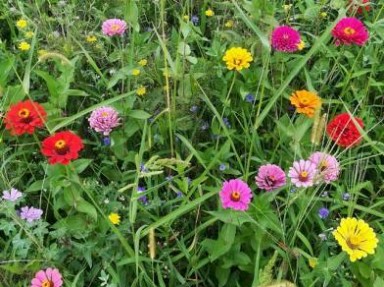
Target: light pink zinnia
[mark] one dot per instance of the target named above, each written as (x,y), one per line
(285,39)
(30,213)
(270,177)
(350,30)
(112,27)
(47,278)
(302,173)
(235,194)
(327,165)
(11,195)
(104,119)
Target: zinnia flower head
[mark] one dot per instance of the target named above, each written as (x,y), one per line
(327,165)
(237,58)
(350,30)
(305,102)
(30,213)
(270,177)
(343,130)
(235,194)
(112,27)
(11,195)
(286,39)
(356,238)
(24,117)
(104,119)
(62,147)
(47,278)
(302,173)
(359,6)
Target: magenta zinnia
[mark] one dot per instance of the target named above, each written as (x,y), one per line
(270,177)
(104,119)
(327,166)
(302,173)
(235,194)
(112,27)
(47,278)
(286,39)
(349,31)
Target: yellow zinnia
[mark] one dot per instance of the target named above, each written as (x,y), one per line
(237,58)
(356,238)
(24,46)
(91,39)
(114,218)
(305,102)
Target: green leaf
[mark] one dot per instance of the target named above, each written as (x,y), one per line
(232,217)
(81,164)
(379,282)
(85,207)
(138,114)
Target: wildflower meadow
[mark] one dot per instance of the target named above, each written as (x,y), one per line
(204,143)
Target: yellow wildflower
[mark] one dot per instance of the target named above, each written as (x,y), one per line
(24,46)
(42,52)
(229,24)
(136,72)
(29,34)
(114,218)
(209,13)
(237,58)
(141,91)
(143,62)
(323,14)
(287,7)
(301,45)
(312,262)
(356,238)
(185,17)
(21,23)
(91,39)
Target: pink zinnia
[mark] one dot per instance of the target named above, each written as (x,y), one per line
(327,165)
(235,194)
(349,31)
(104,119)
(302,173)
(47,278)
(112,27)
(270,177)
(285,39)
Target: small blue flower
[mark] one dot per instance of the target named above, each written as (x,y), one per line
(323,212)
(143,168)
(204,126)
(194,109)
(143,198)
(195,20)
(222,167)
(189,180)
(346,196)
(179,194)
(107,141)
(250,98)
(226,122)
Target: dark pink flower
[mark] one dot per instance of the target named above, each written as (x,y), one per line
(235,194)
(350,30)
(270,177)
(286,39)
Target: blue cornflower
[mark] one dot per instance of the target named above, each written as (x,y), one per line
(250,98)
(323,212)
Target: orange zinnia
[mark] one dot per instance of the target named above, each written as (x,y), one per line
(305,102)
(24,117)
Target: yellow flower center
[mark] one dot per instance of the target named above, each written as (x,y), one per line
(115,27)
(61,147)
(323,165)
(235,196)
(104,114)
(353,242)
(349,31)
(47,283)
(237,62)
(270,180)
(24,113)
(303,176)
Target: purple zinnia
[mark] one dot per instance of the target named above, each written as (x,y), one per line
(285,39)
(302,173)
(270,177)
(327,165)
(30,213)
(323,212)
(104,119)
(112,27)
(11,195)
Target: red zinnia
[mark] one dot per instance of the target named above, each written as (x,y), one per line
(343,130)
(62,147)
(24,117)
